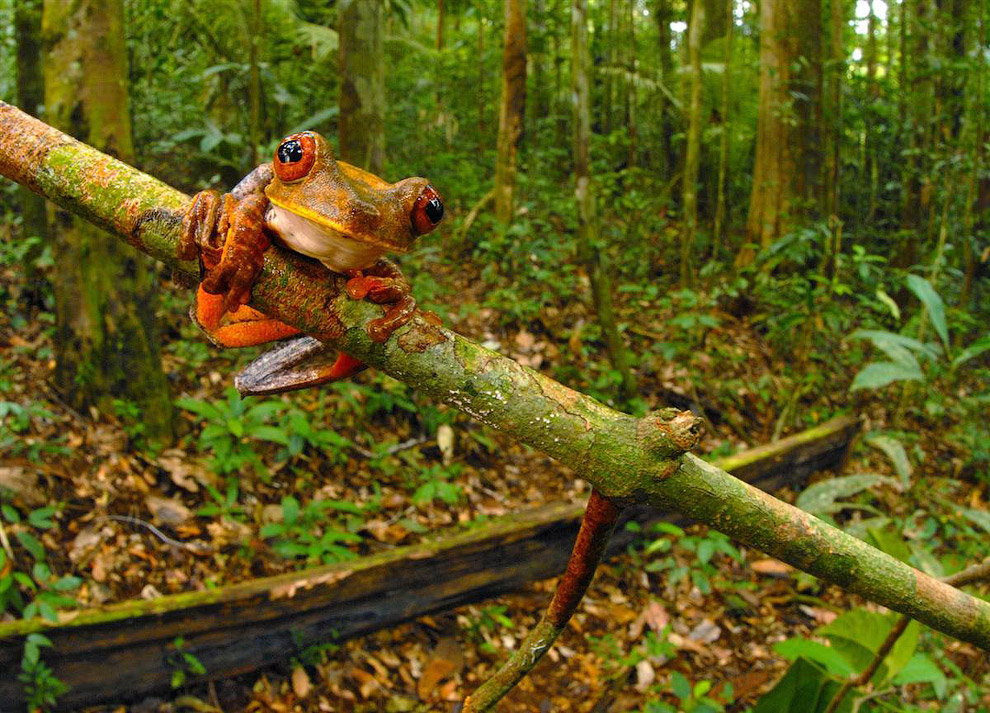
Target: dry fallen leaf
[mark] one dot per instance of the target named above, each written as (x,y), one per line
(706,632)
(447,660)
(772,568)
(168,511)
(301,685)
(645,676)
(366,682)
(654,615)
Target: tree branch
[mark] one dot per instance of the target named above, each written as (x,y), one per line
(624,458)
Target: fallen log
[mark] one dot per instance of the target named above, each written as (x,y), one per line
(127,650)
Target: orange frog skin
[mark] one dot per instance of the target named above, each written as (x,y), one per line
(329,210)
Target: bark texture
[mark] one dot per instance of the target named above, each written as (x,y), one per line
(692,153)
(787,173)
(362,84)
(107,340)
(513,108)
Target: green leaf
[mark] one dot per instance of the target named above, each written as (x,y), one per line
(889,303)
(980,518)
(31,544)
(42,517)
(858,634)
(820,498)
(924,291)
(832,660)
(879,374)
(894,450)
(680,686)
(921,669)
(805,688)
(290,510)
(973,350)
(201,408)
(269,433)
(895,345)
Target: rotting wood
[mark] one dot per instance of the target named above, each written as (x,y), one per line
(123,650)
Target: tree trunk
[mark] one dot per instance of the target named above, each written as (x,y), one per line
(718,231)
(717,21)
(692,153)
(870,154)
(362,83)
(513,110)
(595,260)
(107,340)
(254,82)
(836,71)
(31,97)
(787,171)
(664,15)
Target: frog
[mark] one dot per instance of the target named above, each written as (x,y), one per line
(308,202)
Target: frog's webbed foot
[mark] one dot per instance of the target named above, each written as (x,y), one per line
(296,364)
(229,235)
(384,284)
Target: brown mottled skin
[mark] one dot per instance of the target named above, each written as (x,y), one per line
(308,202)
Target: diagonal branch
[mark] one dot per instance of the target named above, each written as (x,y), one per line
(624,458)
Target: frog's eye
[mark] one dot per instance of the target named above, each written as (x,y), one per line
(294,157)
(427,211)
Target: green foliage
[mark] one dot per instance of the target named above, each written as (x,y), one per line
(35,590)
(482,628)
(233,426)
(41,687)
(681,556)
(312,532)
(434,484)
(183,663)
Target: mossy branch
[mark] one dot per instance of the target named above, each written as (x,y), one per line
(624,458)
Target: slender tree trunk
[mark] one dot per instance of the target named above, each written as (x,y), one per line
(513,109)
(31,98)
(919,99)
(595,260)
(440,19)
(362,83)
(787,171)
(664,16)
(107,340)
(254,82)
(717,21)
(630,83)
(870,169)
(836,71)
(718,236)
(692,154)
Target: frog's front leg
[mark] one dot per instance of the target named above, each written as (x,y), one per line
(383,283)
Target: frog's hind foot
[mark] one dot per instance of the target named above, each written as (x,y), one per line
(296,364)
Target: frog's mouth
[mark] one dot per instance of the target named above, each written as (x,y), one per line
(339,252)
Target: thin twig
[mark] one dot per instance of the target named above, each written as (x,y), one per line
(194,547)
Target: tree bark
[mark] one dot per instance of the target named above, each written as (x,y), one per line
(787,172)
(362,83)
(717,21)
(692,153)
(513,109)
(664,16)
(724,143)
(627,459)
(107,339)
(31,96)
(595,260)
(836,72)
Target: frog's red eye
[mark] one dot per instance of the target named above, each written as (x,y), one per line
(427,211)
(294,157)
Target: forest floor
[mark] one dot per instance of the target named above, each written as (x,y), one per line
(723,622)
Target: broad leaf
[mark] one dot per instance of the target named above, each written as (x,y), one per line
(973,350)
(805,688)
(879,374)
(832,660)
(858,634)
(924,291)
(921,669)
(980,518)
(894,450)
(821,497)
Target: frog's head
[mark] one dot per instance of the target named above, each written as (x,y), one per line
(349,217)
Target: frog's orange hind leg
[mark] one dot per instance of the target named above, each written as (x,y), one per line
(297,364)
(243,327)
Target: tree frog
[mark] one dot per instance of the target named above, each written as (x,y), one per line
(329,210)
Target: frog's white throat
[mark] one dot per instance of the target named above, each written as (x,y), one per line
(331,247)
